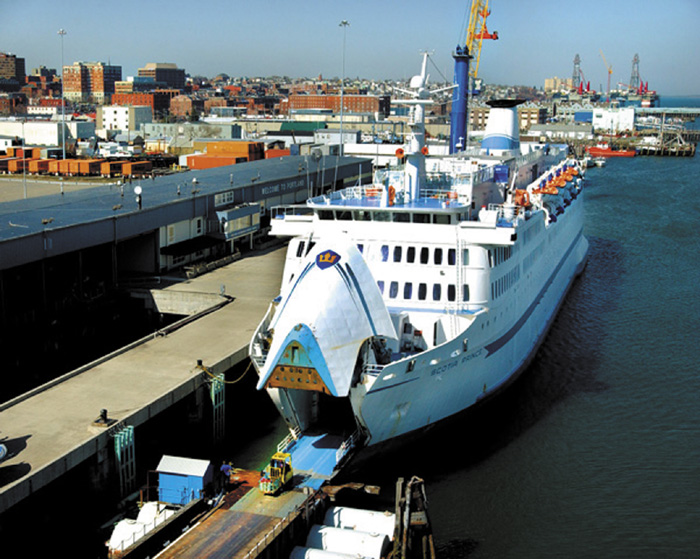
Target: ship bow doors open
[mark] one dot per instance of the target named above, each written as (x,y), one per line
(318,337)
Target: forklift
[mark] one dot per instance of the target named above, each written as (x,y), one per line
(276,474)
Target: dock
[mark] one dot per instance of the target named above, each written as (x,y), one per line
(52,429)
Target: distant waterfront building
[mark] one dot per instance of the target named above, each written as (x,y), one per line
(555,84)
(90,82)
(166,72)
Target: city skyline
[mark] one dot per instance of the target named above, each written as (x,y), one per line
(537,40)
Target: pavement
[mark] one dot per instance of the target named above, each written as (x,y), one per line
(50,430)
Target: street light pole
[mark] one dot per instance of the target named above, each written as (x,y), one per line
(62,32)
(344,24)
(24,160)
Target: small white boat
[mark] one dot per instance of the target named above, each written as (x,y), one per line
(599,161)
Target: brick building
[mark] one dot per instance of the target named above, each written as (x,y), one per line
(353,103)
(12,73)
(90,82)
(159,100)
(12,67)
(184,105)
(165,72)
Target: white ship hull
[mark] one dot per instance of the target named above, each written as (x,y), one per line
(448,380)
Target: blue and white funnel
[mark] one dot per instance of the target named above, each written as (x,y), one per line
(458,118)
(502,129)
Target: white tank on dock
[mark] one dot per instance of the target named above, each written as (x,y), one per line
(343,540)
(362,520)
(310,553)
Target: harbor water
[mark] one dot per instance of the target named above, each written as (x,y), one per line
(595,450)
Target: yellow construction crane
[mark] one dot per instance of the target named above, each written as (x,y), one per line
(609,72)
(477,32)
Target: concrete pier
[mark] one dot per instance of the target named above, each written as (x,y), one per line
(51,429)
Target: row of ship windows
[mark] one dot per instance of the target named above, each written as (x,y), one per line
(423,256)
(437,292)
(401,217)
(503,284)
(499,255)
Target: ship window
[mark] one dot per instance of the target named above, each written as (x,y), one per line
(394,289)
(437,256)
(451,256)
(422,291)
(311,245)
(441,219)
(385,253)
(421,218)
(465,292)
(402,217)
(343,215)
(451,292)
(465,257)
(411,255)
(300,249)
(360,247)
(465,344)
(410,365)
(424,255)
(380,285)
(362,215)
(437,291)
(397,253)
(382,216)
(325,214)
(407,290)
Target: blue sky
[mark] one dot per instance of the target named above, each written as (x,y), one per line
(537,38)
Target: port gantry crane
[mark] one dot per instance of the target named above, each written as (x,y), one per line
(609,73)
(477,32)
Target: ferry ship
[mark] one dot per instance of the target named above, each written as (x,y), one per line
(407,301)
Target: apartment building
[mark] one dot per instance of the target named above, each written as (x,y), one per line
(90,82)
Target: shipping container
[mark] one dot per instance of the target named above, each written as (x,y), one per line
(18,165)
(64,167)
(111,168)
(270,153)
(136,168)
(37,166)
(74,167)
(202,161)
(90,167)
(4,163)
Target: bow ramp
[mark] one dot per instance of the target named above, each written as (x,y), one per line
(325,316)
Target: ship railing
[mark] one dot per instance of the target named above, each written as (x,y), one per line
(143,529)
(347,446)
(290,440)
(281,212)
(259,358)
